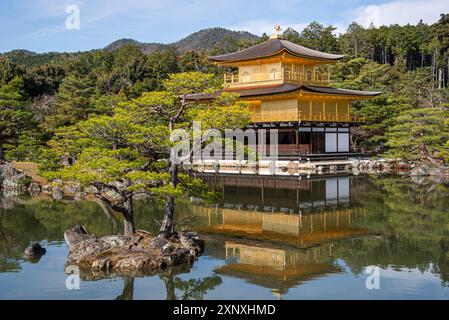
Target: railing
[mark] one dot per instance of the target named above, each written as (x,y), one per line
(295,117)
(230,78)
(285,149)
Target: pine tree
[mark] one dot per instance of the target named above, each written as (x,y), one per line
(72,103)
(419,134)
(14,119)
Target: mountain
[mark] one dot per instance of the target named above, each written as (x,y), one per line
(204,39)
(146,47)
(207,38)
(30,58)
(21,53)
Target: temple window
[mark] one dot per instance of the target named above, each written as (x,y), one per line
(309,75)
(286,138)
(287,73)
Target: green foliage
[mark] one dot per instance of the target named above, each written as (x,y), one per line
(421,126)
(25,181)
(189,82)
(128,151)
(314,36)
(100,165)
(28,146)
(72,103)
(8,70)
(238,114)
(419,130)
(44,79)
(29,59)
(14,118)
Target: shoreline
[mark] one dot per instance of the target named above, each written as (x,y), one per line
(13,179)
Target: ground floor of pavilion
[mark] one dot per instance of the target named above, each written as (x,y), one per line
(308,140)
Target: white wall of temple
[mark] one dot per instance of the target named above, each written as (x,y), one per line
(337,142)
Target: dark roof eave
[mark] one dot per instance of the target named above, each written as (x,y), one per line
(338,91)
(282,89)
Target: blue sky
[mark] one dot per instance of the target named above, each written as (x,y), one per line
(40,25)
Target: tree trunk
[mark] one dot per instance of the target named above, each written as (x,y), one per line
(433,68)
(2,156)
(1,219)
(446,75)
(128,217)
(426,155)
(167,227)
(440,78)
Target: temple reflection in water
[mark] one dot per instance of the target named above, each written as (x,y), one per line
(279,233)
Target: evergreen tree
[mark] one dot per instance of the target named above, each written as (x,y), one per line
(318,37)
(72,103)
(419,134)
(14,119)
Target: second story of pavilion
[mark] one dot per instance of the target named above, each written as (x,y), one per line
(276,61)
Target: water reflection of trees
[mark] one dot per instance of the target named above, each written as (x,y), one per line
(192,289)
(413,220)
(128,289)
(25,220)
(16,232)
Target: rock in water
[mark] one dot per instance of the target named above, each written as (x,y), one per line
(123,254)
(35,251)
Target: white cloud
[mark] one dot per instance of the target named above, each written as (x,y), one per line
(339,28)
(400,12)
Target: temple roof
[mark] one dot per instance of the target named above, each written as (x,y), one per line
(272,47)
(283,88)
(338,91)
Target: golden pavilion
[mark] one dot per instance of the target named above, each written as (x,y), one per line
(288,90)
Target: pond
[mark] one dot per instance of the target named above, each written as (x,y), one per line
(320,238)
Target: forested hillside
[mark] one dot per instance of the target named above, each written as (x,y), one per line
(44,96)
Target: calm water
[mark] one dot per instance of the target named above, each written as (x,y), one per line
(267,239)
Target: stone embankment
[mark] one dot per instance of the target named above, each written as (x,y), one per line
(297,168)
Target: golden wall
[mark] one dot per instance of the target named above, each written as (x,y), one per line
(301,109)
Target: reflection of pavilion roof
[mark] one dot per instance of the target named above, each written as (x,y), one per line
(277,268)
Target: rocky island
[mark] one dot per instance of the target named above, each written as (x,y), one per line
(123,254)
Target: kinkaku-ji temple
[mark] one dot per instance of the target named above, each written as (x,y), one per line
(287,90)
(279,245)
